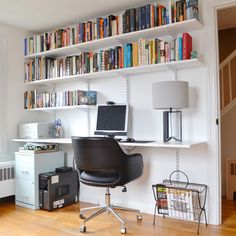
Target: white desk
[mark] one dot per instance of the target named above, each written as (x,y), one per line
(158,144)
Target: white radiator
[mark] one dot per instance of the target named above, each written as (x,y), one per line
(231,178)
(7,183)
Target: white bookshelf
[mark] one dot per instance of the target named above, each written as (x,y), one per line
(82,107)
(156,144)
(172,30)
(191,63)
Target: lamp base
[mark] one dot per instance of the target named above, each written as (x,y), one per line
(172,126)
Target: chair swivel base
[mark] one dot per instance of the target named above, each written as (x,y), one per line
(109,209)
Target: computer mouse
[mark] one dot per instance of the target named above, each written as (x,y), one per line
(130,140)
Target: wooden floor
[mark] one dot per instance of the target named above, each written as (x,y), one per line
(18,221)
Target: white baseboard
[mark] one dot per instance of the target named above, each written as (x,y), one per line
(149,208)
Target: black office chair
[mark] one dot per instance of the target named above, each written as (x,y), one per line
(102,163)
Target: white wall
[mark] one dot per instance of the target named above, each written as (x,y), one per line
(198,162)
(13,76)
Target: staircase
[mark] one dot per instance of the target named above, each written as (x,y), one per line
(228,83)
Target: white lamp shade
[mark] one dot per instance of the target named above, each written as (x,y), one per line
(170,94)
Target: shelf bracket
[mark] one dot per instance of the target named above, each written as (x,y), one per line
(126,90)
(177,163)
(174,71)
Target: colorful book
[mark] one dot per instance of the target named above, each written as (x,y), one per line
(187,46)
(180,39)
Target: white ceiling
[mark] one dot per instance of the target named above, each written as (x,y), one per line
(43,15)
(227,18)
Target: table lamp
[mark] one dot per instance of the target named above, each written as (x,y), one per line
(171,95)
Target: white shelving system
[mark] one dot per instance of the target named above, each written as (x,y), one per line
(170,30)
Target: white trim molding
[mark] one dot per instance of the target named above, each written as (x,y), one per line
(3,103)
(214,174)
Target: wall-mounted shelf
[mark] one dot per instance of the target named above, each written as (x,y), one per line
(165,30)
(62,108)
(191,63)
(157,144)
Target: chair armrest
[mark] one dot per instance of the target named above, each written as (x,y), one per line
(134,166)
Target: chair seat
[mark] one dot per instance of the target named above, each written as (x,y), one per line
(98,178)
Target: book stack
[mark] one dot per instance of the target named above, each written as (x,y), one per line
(184,10)
(36,99)
(140,53)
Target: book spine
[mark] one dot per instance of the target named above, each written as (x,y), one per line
(114,27)
(152,16)
(147,17)
(132,19)
(116,57)
(25,46)
(139,18)
(101,24)
(127,20)
(160,15)
(172,50)
(187,46)
(125,56)
(120,24)
(105,26)
(98,28)
(109,26)
(163,16)
(129,55)
(162,51)
(143,17)
(180,48)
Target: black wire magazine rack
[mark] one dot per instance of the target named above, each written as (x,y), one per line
(180,199)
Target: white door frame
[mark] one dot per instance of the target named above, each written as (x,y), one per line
(214,106)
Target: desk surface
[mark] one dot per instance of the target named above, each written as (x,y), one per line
(128,144)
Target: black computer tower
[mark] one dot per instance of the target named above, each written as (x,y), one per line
(58,189)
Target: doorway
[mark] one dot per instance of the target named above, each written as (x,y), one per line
(226,21)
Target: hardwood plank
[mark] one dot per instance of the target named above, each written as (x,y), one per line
(19,221)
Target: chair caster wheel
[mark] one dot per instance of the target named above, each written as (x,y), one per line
(82,229)
(139,217)
(81,216)
(123,230)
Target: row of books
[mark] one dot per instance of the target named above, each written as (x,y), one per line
(184,10)
(35,99)
(145,17)
(148,16)
(143,52)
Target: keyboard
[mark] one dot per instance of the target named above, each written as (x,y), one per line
(137,141)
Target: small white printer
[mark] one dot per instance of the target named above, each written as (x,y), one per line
(36,130)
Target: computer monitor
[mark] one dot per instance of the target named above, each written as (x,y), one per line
(112,120)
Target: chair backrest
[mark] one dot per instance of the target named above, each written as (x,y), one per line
(98,153)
